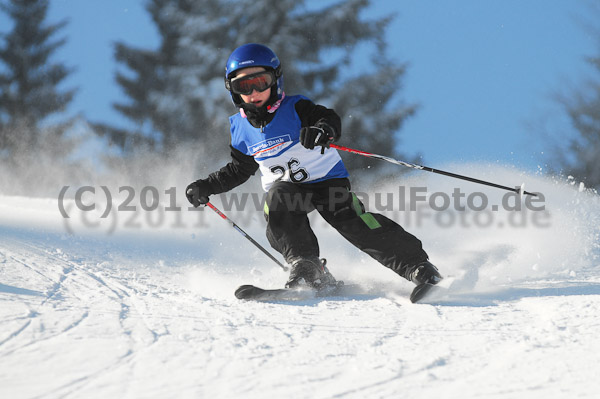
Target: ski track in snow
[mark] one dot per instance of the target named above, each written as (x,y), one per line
(135,316)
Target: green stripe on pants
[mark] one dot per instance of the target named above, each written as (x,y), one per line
(366,217)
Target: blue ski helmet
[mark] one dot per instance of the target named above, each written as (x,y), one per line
(253,55)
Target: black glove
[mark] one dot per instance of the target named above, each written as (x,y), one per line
(321,134)
(197,193)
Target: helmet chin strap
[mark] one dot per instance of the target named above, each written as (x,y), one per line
(251,108)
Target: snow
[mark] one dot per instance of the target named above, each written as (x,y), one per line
(144,310)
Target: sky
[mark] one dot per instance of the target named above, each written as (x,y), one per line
(482,71)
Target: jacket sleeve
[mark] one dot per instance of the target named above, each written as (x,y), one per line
(233,174)
(312,114)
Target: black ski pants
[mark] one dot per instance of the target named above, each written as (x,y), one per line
(289,232)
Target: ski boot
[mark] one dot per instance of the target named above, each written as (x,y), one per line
(426,276)
(310,272)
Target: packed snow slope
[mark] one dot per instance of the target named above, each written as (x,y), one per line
(139,304)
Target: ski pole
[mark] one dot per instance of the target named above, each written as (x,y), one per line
(519,190)
(242,232)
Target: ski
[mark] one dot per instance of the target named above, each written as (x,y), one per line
(420,293)
(424,291)
(251,292)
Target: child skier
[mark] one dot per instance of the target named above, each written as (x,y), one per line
(287,138)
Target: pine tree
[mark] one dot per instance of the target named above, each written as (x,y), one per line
(177,91)
(175,94)
(580,157)
(583,152)
(29,82)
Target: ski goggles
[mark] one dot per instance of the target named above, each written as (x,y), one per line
(259,81)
